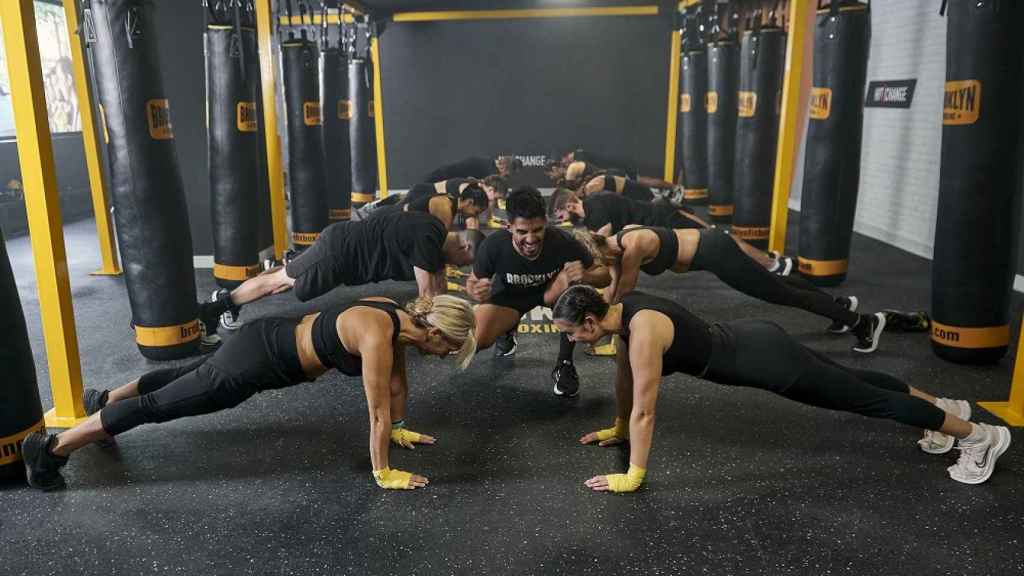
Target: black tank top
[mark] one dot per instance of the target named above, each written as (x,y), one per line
(691,345)
(327,342)
(422,204)
(668,251)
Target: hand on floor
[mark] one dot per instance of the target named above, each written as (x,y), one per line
(617,434)
(407,438)
(391,479)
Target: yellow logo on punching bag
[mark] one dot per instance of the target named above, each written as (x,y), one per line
(245,113)
(684,103)
(311,113)
(747,104)
(962,104)
(711,102)
(344,109)
(821,103)
(158,115)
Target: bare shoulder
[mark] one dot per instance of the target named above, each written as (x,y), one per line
(652,328)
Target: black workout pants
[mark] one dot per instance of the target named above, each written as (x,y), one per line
(760,354)
(255,359)
(718,253)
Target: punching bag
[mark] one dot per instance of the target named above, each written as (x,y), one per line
(693,125)
(148,198)
(20,410)
(762,57)
(306,179)
(973,267)
(336,114)
(364,166)
(233,151)
(721,146)
(832,161)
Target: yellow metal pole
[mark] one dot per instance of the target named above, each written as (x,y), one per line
(378,118)
(268,89)
(35,155)
(100,197)
(673,107)
(788,129)
(1012,412)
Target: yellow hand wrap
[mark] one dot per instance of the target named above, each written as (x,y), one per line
(392,479)
(619,430)
(627,482)
(404,437)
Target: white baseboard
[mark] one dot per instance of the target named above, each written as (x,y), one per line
(1018,283)
(202,262)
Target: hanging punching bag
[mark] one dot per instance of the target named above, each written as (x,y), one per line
(20,410)
(233,151)
(693,125)
(305,147)
(336,114)
(832,160)
(972,270)
(148,198)
(721,146)
(364,167)
(762,56)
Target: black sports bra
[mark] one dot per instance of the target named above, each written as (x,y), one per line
(327,343)
(667,254)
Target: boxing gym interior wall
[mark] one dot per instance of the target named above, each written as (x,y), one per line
(527,87)
(902,144)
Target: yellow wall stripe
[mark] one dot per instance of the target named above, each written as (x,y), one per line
(962,337)
(167,335)
(450,15)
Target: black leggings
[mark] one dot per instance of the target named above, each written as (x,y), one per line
(718,253)
(261,356)
(760,354)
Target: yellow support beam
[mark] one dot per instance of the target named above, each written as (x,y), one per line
(789,130)
(268,90)
(1012,412)
(100,196)
(378,118)
(450,15)
(672,117)
(42,203)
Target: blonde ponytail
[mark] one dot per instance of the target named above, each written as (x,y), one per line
(453,317)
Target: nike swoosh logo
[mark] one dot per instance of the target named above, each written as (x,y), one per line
(984,460)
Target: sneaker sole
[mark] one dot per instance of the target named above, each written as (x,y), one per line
(949,440)
(994,453)
(843,328)
(561,394)
(875,335)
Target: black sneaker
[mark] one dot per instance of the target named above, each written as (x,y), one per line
(42,467)
(506,344)
(94,400)
(229,316)
(785,266)
(567,381)
(868,332)
(850,303)
(900,321)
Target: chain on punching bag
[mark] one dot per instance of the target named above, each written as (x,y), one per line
(832,159)
(233,145)
(972,270)
(148,197)
(762,56)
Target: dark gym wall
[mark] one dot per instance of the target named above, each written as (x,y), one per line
(526,87)
(72,183)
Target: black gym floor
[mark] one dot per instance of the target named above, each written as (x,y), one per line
(740,481)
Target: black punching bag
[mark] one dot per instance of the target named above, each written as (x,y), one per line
(233,151)
(973,268)
(148,197)
(337,111)
(762,59)
(299,59)
(693,125)
(832,161)
(364,166)
(721,106)
(20,410)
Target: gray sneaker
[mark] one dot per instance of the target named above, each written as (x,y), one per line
(935,442)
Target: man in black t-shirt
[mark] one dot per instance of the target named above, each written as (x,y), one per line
(476,167)
(400,246)
(529,264)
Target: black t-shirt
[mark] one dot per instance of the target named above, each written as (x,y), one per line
(608,207)
(387,246)
(517,277)
(472,167)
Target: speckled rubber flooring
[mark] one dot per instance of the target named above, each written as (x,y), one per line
(740,481)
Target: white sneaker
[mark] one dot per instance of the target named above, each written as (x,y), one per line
(976,462)
(228,320)
(935,442)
